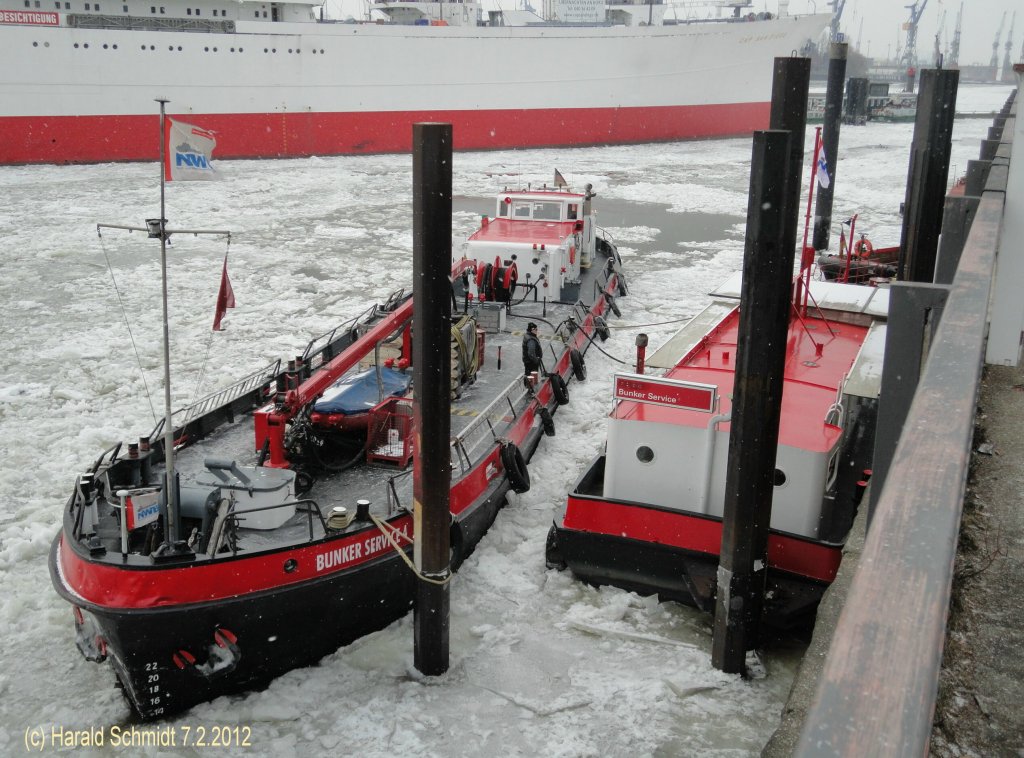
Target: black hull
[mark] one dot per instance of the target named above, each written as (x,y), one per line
(676,574)
(273,632)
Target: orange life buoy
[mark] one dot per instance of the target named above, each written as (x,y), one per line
(864,248)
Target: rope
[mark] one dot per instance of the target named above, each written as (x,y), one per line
(124,315)
(209,344)
(389,531)
(600,349)
(655,323)
(202,371)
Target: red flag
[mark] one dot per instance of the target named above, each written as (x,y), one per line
(225,297)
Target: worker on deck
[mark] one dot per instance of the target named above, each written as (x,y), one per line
(531,355)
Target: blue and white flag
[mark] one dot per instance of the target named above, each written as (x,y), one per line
(823,179)
(187,152)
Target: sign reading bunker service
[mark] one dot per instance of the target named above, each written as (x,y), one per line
(671,392)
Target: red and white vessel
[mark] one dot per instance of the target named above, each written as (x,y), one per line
(647,514)
(271,79)
(295,512)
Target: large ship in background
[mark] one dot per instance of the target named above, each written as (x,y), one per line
(273,79)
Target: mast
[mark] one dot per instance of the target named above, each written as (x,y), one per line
(172,535)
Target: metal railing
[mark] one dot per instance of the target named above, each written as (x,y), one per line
(148,24)
(220,398)
(492,422)
(877,690)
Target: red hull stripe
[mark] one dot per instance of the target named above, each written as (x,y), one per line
(111,586)
(98,139)
(696,534)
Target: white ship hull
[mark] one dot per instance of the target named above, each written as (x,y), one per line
(80,95)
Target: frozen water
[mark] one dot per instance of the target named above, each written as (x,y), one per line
(540,664)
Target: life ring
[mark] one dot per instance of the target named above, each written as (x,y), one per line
(547,422)
(612,304)
(601,327)
(515,468)
(559,389)
(863,248)
(579,368)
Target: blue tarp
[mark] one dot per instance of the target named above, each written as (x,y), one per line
(358,393)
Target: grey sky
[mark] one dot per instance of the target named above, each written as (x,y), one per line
(878,25)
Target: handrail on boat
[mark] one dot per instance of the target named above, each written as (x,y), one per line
(220,398)
(317,346)
(474,433)
(235,516)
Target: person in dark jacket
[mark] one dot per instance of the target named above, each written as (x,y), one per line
(531,353)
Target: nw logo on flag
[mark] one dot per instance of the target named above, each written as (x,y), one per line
(185,155)
(189,158)
(823,178)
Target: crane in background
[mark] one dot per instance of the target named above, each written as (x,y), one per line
(938,39)
(909,57)
(994,63)
(1008,75)
(837,13)
(954,50)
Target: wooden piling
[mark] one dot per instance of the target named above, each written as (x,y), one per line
(431,358)
(928,175)
(757,398)
(830,141)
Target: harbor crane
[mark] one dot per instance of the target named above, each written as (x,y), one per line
(1007,60)
(837,13)
(909,57)
(954,50)
(939,30)
(994,63)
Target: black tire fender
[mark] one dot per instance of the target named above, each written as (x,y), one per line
(613,305)
(623,290)
(455,548)
(515,467)
(579,367)
(601,327)
(552,555)
(559,389)
(547,422)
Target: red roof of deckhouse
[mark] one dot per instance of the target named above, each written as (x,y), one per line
(812,381)
(504,230)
